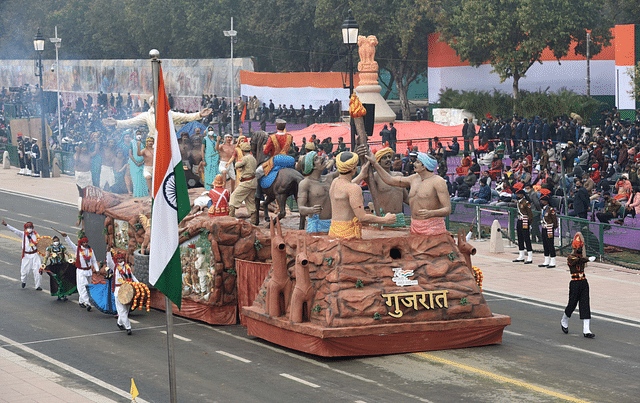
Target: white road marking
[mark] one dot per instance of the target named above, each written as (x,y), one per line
(176,336)
(585,351)
(51,222)
(511,333)
(302,381)
(7,277)
(551,305)
(77,372)
(235,357)
(323,365)
(133,321)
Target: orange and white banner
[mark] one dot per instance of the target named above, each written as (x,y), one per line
(297,89)
(446,70)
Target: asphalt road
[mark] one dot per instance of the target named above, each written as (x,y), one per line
(535,363)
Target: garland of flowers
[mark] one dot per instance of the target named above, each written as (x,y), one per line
(141,293)
(86,257)
(477,274)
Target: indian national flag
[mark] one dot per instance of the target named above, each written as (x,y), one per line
(170,203)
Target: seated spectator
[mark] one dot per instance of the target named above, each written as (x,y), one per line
(453,148)
(463,192)
(632,207)
(611,209)
(496,167)
(483,195)
(463,169)
(623,188)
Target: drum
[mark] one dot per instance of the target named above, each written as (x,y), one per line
(43,243)
(126,293)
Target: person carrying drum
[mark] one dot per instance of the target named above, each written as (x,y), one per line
(123,274)
(86,264)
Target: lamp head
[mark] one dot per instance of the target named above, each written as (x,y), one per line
(38,41)
(350,30)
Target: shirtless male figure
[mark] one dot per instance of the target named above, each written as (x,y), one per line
(82,159)
(347,202)
(148,154)
(390,197)
(428,198)
(227,152)
(107,174)
(313,193)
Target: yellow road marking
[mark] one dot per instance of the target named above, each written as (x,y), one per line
(10,237)
(500,378)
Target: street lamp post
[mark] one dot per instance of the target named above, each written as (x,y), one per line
(350,38)
(58,42)
(38,44)
(232,34)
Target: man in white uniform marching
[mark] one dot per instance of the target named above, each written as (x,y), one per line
(86,264)
(31,261)
(122,272)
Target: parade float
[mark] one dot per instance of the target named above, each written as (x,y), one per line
(209,248)
(390,292)
(385,293)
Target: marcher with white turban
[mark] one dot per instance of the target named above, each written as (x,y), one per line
(428,197)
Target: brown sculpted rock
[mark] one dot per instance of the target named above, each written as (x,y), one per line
(349,288)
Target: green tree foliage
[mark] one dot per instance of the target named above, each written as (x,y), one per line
(636,82)
(512,34)
(545,104)
(401,27)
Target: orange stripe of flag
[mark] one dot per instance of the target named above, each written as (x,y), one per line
(163,136)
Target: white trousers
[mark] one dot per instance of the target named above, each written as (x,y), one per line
(123,312)
(82,281)
(31,264)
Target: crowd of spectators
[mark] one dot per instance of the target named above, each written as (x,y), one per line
(595,171)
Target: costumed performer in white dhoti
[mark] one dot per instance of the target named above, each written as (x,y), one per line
(31,261)
(428,196)
(148,118)
(86,265)
(122,272)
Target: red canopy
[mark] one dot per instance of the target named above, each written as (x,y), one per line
(417,132)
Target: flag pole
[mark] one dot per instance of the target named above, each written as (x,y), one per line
(155,62)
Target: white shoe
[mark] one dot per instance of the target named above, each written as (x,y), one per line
(546,262)
(28,172)
(35,175)
(552,263)
(529,258)
(21,172)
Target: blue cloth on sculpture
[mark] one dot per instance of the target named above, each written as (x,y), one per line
(102,297)
(315,224)
(279,161)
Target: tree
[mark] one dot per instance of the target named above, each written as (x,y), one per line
(512,34)
(401,27)
(635,81)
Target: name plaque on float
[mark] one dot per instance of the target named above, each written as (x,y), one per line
(411,299)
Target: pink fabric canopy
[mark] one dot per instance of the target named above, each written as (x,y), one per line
(417,132)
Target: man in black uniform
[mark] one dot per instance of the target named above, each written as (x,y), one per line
(525,217)
(578,288)
(549,222)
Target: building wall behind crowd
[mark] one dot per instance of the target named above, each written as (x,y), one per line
(610,71)
(185,79)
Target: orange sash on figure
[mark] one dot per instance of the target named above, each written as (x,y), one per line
(346,229)
(277,149)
